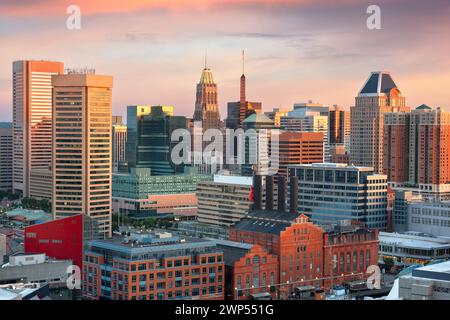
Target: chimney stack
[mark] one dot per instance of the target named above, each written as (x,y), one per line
(281,193)
(269,193)
(257,190)
(293,194)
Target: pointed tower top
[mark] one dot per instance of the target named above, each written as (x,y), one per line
(243,62)
(207,77)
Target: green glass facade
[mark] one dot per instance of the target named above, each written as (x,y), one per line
(139,184)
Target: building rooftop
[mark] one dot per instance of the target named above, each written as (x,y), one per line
(148,243)
(414,241)
(423,107)
(439,271)
(29,214)
(5,125)
(239,180)
(232,251)
(207,77)
(332,166)
(379,82)
(264,221)
(258,118)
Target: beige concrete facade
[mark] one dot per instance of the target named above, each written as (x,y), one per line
(32,119)
(82,164)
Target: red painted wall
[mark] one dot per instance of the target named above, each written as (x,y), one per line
(59,239)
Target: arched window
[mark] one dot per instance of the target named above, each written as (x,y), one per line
(367,258)
(361,261)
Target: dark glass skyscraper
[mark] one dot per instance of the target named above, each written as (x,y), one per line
(149,142)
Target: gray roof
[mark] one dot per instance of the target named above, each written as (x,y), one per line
(232,251)
(264,221)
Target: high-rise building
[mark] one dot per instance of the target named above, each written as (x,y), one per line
(257,147)
(134,117)
(242,109)
(417,150)
(396,146)
(339,126)
(117,120)
(309,117)
(339,154)
(223,201)
(330,192)
(276,115)
(149,140)
(299,148)
(41,184)
(310,106)
(119,138)
(32,119)
(6,156)
(82,107)
(206,103)
(378,96)
(429,151)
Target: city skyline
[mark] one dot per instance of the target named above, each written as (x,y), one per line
(155,50)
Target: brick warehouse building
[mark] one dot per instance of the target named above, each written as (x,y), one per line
(153,266)
(250,271)
(348,251)
(305,251)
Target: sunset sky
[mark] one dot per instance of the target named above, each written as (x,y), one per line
(296,50)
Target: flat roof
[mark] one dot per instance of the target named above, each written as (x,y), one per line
(331,166)
(8,295)
(240,180)
(413,241)
(438,271)
(130,248)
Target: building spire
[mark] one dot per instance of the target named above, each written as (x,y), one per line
(206,58)
(243,62)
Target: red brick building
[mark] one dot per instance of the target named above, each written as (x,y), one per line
(348,252)
(250,271)
(153,266)
(308,255)
(299,148)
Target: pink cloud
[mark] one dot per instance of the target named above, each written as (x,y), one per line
(52,7)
